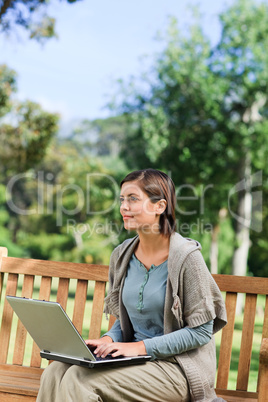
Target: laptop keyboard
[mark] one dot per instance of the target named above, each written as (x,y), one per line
(108,357)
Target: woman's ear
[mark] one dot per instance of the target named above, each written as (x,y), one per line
(160,206)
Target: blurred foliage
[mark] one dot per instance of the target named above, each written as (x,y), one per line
(199,113)
(58,196)
(30,15)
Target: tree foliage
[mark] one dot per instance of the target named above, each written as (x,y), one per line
(200,112)
(29,14)
(7,88)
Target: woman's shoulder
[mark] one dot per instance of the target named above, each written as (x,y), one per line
(183,245)
(121,248)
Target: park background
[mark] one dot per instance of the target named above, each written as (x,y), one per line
(91,91)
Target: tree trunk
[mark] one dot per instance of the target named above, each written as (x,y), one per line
(6,4)
(214,249)
(243,220)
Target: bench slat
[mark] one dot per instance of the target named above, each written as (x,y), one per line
(62,294)
(97,310)
(11,288)
(3,253)
(19,349)
(264,335)
(265,322)
(79,304)
(111,322)
(236,396)
(242,284)
(226,342)
(246,342)
(57,269)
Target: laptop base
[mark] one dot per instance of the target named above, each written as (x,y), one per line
(95,364)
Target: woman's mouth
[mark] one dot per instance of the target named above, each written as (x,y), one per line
(125,217)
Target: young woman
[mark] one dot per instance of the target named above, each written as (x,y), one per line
(166,303)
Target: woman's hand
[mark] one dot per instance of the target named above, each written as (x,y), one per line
(121,349)
(92,343)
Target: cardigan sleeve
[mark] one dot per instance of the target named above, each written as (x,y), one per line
(202,299)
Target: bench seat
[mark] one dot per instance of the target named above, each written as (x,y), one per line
(20,382)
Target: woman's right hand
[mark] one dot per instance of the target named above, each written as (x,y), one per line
(94,343)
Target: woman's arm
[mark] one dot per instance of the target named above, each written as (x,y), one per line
(179,341)
(158,347)
(115,332)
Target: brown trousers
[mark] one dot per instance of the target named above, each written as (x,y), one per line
(157,381)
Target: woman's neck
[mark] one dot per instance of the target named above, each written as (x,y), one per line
(152,249)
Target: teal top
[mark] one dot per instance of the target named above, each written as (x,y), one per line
(144,297)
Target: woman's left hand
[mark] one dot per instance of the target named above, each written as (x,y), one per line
(121,349)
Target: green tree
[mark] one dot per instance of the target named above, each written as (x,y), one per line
(73,199)
(240,60)
(25,133)
(100,137)
(29,14)
(7,88)
(195,119)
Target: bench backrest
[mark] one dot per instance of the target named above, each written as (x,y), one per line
(21,274)
(251,287)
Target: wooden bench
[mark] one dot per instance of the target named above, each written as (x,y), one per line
(19,381)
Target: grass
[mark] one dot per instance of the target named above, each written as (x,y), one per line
(70,308)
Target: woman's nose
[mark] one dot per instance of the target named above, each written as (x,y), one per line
(124,205)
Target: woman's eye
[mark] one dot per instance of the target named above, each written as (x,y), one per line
(129,199)
(133,199)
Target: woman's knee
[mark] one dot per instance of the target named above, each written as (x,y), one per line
(75,385)
(54,371)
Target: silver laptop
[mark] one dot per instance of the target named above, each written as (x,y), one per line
(56,336)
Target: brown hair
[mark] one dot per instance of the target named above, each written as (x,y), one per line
(157,185)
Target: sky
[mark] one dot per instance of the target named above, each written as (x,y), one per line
(98,42)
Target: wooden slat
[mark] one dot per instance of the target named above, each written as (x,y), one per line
(62,294)
(3,253)
(237,396)
(111,322)
(5,369)
(27,291)
(242,284)
(1,284)
(226,342)
(57,269)
(246,342)
(16,398)
(20,380)
(44,294)
(263,381)
(79,305)
(264,335)
(265,321)
(6,324)
(97,310)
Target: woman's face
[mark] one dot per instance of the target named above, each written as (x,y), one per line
(137,210)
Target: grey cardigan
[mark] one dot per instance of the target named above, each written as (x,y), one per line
(192,299)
